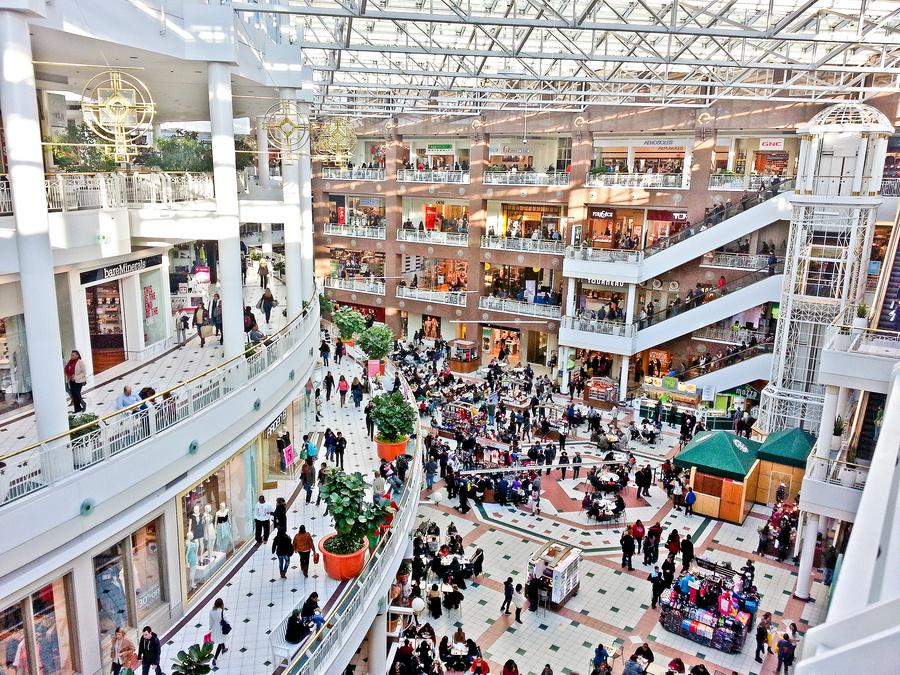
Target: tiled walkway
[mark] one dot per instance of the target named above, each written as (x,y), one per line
(256,598)
(179,364)
(613,605)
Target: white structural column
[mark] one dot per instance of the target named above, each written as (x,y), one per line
(629,304)
(265,234)
(563,369)
(376,640)
(688,165)
(623,378)
(25,167)
(308,269)
(221,120)
(826,423)
(629,159)
(804,574)
(262,153)
(293,223)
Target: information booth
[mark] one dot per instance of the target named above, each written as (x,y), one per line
(464,357)
(557,567)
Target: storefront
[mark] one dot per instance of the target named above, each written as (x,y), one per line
(356,211)
(661,224)
(15,376)
(126,310)
(766,156)
(440,216)
(130,585)
(598,297)
(607,227)
(281,440)
(439,154)
(371,312)
(37,633)
(652,155)
(350,264)
(522,283)
(438,274)
(216,518)
(523,220)
(496,338)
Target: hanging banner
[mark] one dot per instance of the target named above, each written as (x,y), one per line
(373,367)
(289,457)
(342,215)
(430,217)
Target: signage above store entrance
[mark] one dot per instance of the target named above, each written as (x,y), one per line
(771,144)
(439,149)
(120,270)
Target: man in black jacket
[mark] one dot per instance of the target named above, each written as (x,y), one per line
(149,651)
(687,552)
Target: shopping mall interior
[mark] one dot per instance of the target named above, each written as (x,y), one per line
(439,336)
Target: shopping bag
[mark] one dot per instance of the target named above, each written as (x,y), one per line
(316,557)
(206,330)
(207,639)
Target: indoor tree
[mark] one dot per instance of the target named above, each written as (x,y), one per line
(394,417)
(349,322)
(355,518)
(376,342)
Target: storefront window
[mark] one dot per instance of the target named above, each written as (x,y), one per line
(147,565)
(662,224)
(15,376)
(524,220)
(497,342)
(217,517)
(279,438)
(613,228)
(109,576)
(356,211)
(152,290)
(438,274)
(347,264)
(43,646)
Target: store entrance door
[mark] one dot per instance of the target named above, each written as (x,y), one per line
(104,308)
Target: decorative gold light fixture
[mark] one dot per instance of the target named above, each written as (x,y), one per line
(287,127)
(119,109)
(334,139)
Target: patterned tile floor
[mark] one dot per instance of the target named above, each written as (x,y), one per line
(17,428)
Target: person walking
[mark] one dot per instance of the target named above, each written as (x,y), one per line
(518,601)
(324,352)
(266,302)
(785,653)
(689,499)
(149,651)
(370,421)
(122,652)
(507,595)
(328,382)
(200,319)
(627,544)
(303,546)
(308,477)
(283,548)
(564,460)
(263,272)
(340,444)
(338,351)
(576,464)
(217,625)
(323,476)
(356,392)
(262,514)
(343,387)
(215,313)
(658,584)
(829,562)
(431,468)
(76,377)
(762,637)
(687,552)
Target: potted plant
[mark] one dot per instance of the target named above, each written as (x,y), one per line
(194,661)
(403,573)
(395,419)
(355,519)
(377,342)
(861,320)
(349,322)
(838,433)
(84,437)
(325,305)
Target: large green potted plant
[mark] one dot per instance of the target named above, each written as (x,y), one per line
(325,305)
(355,520)
(395,419)
(377,343)
(349,322)
(194,661)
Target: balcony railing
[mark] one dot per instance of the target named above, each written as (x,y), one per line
(455,298)
(836,472)
(523,244)
(737,183)
(80,191)
(842,335)
(59,458)
(728,336)
(432,176)
(601,326)
(434,237)
(362,231)
(518,307)
(604,254)
(735,261)
(338,173)
(525,178)
(723,362)
(358,285)
(890,187)
(672,181)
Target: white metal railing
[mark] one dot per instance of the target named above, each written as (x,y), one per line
(525,178)
(56,459)
(735,183)
(342,620)
(434,237)
(836,472)
(432,176)
(674,181)
(614,328)
(360,285)
(5,198)
(456,298)
(340,173)
(604,254)
(735,261)
(518,307)
(523,244)
(355,231)
(890,187)
(162,188)
(843,335)
(727,335)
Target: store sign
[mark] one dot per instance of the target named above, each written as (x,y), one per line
(374,202)
(149,596)
(201,274)
(687,388)
(661,143)
(745,391)
(670,383)
(771,144)
(604,214)
(508,149)
(667,216)
(120,270)
(605,282)
(439,149)
(277,423)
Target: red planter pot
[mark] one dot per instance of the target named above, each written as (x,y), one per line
(342,567)
(390,451)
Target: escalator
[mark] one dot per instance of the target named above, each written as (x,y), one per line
(871,425)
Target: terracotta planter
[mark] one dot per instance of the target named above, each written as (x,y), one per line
(349,343)
(390,451)
(342,567)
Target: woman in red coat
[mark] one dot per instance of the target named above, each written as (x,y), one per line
(673,543)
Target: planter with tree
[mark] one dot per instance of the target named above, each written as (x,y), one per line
(377,343)
(395,420)
(861,320)
(349,322)
(325,305)
(194,661)
(355,520)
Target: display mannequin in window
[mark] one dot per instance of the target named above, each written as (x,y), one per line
(209,526)
(196,528)
(191,559)
(223,528)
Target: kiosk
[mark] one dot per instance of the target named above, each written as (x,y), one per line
(557,567)
(464,357)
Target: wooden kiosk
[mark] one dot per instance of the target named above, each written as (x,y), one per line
(464,356)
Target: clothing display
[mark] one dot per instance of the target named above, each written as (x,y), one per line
(195,524)
(223,531)
(190,553)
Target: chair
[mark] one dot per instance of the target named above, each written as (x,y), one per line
(617,654)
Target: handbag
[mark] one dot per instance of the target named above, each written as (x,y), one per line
(316,557)
(226,627)
(206,330)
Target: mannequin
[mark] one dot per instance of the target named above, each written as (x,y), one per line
(195,525)
(283,440)
(191,559)
(209,526)
(223,528)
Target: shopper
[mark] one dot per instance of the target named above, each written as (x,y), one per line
(687,553)
(356,392)
(201,318)
(303,545)
(149,651)
(310,610)
(627,544)
(218,628)
(324,352)
(76,376)
(215,313)
(266,302)
(785,653)
(122,652)
(340,444)
(343,387)
(262,514)
(689,500)
(829,562)
(328,381)
(263,272)
(638,531)
(668,569)
(308,477)
(762,637)
(279,515)
(283,548)
(370,424)
(507,595)
(339,351)
(518,600)
(658,583)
